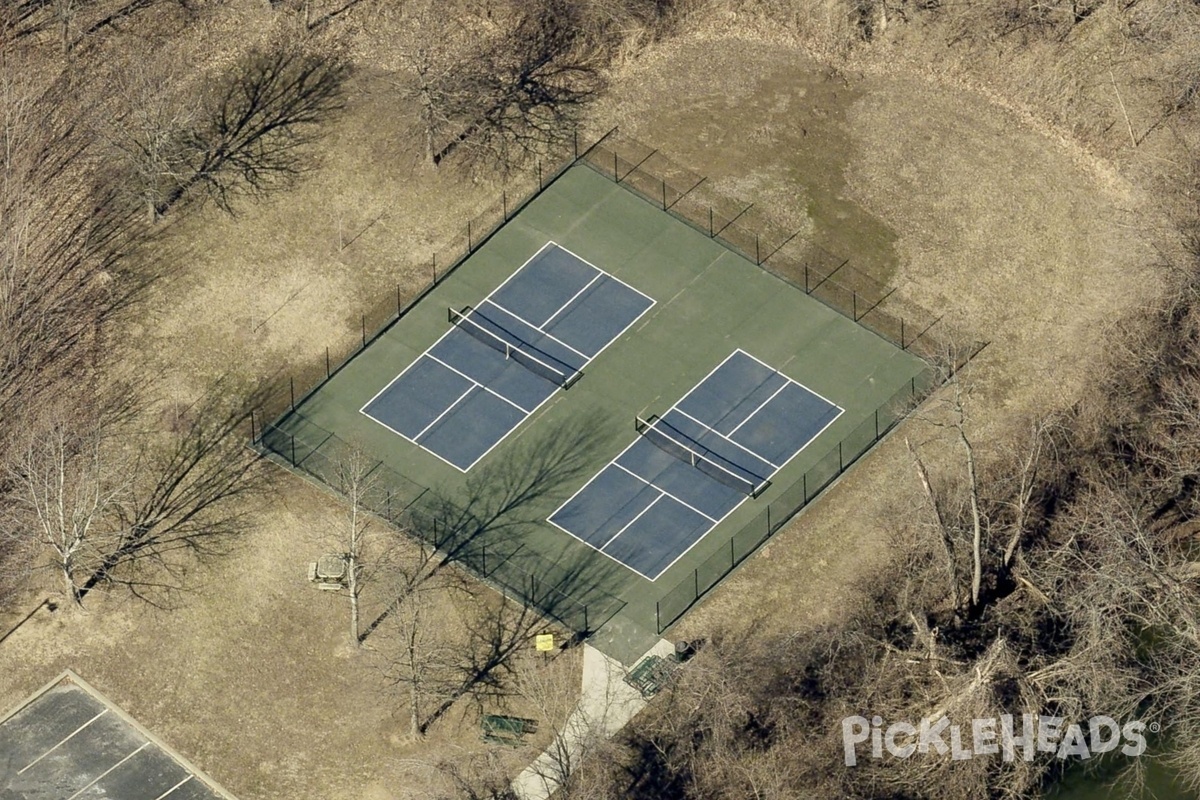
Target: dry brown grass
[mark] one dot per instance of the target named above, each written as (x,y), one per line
(1006,230)
(1015,236)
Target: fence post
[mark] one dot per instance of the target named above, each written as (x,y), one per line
(664,193)
(575,139)
(854,296)
(616,174)
(586,628)
(696,575)
(757,260)
(804,478)
(877,424)
(539,171)
(327,367)
(469,245)
(841,466)
(658,615)
(399,305)
(253,435)
(292,436)
(364,330)
(903,346)
(768,520)
(710,223)
(292,390)
(806,291)
(504,204)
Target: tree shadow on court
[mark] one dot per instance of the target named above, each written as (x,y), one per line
(495,527)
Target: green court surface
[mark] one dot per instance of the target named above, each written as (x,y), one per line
(709,302)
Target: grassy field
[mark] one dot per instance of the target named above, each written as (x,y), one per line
(911,175)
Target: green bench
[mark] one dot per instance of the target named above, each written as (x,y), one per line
(650,674)
(503,729)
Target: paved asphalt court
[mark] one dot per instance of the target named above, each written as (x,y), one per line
(68,744)
(691,467)
(500,361)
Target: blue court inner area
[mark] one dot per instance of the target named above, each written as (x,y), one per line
(501,360)
(690,468)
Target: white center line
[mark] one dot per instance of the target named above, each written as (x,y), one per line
(64,741)
(444,413)
(661,494)
(550,336)
(787,383)
(599,274)
(726,438)
(525,411)
(668,494)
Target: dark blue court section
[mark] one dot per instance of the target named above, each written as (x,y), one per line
(536,331)
(649,506)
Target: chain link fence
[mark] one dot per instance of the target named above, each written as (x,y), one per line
(674,603)
(559,591)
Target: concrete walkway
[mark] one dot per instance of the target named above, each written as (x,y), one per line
(605,705)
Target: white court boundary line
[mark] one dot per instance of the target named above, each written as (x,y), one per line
(789,380)
(528,412)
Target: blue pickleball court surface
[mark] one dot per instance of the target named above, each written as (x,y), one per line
(690,468)
(500,361)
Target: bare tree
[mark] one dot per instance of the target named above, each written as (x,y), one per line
(512,94)
(115,505)
(253,131)
(64,495)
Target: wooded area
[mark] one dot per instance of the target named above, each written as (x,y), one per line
(1046,568)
